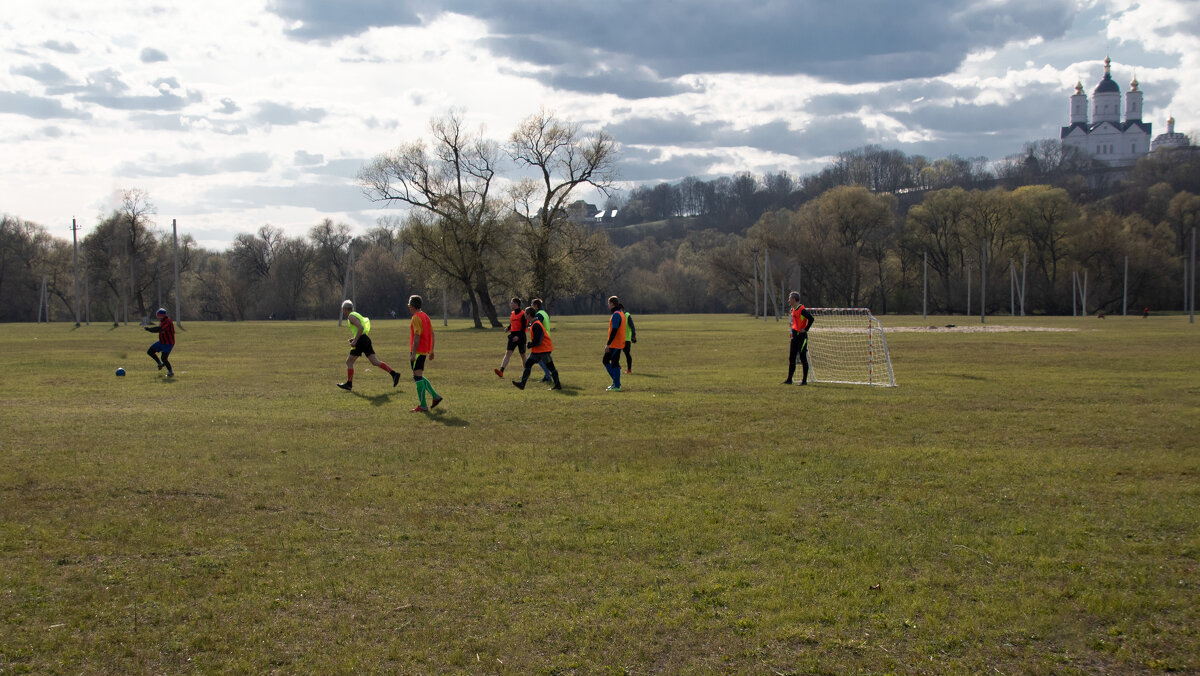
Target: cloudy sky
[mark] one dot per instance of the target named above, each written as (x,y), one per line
(233,114)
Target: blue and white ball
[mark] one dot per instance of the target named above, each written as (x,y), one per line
(120,371)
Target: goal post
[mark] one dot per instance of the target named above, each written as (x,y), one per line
(847,345)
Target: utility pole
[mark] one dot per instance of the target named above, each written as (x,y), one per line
(75,267)
(175,253)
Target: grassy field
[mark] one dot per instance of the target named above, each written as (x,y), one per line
(1023,502)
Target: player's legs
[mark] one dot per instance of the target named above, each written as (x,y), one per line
(803,360)
(349,384)
(166,352)
(628,357)
(383,365)
(793,352)
(153,352)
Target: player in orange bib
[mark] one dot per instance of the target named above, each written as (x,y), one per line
(802,321)
(540,347)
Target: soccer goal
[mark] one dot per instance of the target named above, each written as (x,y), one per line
(846,345)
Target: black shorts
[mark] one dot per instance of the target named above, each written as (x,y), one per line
(363,346)
(516,341)
(418,363)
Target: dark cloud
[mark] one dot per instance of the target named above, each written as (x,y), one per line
(285,115)
(639,49)
(321,20)
(675,130)
(249,162)
(38,107)
(45,73)
(822,136)
(152,55)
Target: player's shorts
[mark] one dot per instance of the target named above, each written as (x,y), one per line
(162,347)
(516,341)
(363,346)
(418,363)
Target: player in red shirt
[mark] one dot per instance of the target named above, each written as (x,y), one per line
(165,342)
(802,321)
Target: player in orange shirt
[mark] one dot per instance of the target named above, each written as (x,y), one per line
(420,348)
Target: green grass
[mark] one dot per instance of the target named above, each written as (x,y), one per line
(1021,503)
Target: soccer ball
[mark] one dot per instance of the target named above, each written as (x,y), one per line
(120,371)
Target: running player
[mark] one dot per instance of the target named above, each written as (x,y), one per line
(540,347)
(516,335)
(165,342)
(360,344)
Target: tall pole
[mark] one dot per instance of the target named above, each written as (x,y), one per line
(982,282)
(1012,289)
(346,281)
(1083,296)
(1074,292)
(75,267)
(1125,292)
(175,253)
(42,300)
(968,312)
(766,283)
(132,254)
(925,286)
(445,316)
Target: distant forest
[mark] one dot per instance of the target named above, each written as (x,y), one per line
(873,229)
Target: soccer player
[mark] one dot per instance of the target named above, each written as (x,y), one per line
(540,347)
(630,339)
(616,343)
(360,344)
(536,304)
(516,335)
(165,342)
(420,347)
(802,321)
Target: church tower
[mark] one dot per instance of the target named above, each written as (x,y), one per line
(1133,102)
(1079,113)
(1106,99)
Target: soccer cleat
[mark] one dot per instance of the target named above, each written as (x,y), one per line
(436,401)
(395,378)
(518,384)
(786,382)
(170,374)
(348,385)
(547,379)
(613,388)
(161,365)
(419,409)
(556,386)
(629,370)
(803,382)
(499,373)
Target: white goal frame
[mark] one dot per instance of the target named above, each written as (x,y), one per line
(847,345)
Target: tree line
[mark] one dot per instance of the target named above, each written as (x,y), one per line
(875,228)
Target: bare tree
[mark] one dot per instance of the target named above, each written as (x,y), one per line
(564,158)
(455,226)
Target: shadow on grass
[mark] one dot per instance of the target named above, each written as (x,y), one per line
(376,399)
(439,415)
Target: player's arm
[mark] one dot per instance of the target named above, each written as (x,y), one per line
(807,315)
(632,329)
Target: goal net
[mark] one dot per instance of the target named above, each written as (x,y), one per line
(846,345)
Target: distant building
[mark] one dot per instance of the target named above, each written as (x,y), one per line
(1171,139)
(1105,138)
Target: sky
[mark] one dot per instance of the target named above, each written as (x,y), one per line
(234,114)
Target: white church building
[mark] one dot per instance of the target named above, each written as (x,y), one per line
(1105,137)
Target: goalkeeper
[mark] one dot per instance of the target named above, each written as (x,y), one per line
(802,321)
